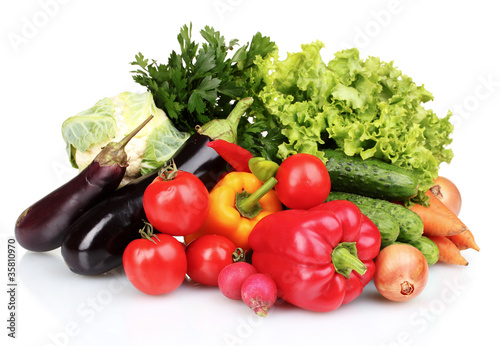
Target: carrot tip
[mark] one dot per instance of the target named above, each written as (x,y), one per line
(463,261)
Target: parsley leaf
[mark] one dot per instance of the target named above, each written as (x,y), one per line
(200,82)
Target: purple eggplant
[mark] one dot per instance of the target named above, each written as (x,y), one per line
(43,225)
(96,241)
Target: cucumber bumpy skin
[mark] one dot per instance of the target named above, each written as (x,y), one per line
(387,224)
(411,226)
(428,248)
(371,177)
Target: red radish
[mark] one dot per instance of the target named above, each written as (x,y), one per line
(259,292)
(231,278)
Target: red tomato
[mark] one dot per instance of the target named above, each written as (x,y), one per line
(157,267)
(303,181)
(207,256)
(177,207)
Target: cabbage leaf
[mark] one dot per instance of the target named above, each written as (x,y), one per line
(112,118)
(94,125)
(162,144)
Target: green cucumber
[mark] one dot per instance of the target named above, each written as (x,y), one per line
(387,224)
(371,177)
(428,248)
(411,226)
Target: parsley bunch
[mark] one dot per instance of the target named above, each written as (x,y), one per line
(201,82)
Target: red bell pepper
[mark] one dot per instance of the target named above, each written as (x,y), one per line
(237,157)
(319,258)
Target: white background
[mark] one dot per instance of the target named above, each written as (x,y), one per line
(60,57)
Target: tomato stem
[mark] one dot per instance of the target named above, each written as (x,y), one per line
(238,255)
(169,171)
(147,232)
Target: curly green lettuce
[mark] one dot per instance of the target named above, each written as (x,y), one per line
(364,107)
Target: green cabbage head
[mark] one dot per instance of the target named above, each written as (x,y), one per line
(111,119)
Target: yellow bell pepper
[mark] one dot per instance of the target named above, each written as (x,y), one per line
(236,204)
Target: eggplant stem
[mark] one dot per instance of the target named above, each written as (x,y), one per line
(226,129)
(131,135)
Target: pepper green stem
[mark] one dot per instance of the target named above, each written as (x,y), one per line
(345,259)
(248,204)
(263,169)
(226,129)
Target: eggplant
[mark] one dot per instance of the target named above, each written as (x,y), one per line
(96,241)
(43,225)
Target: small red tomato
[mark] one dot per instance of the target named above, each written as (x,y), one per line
(303,181)
(177,205)
(155,266)
(207,256)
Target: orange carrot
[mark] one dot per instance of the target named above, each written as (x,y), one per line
(464,241)
(448,251)
(438,219)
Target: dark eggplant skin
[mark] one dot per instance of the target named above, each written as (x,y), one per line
(96,241)
(42,226)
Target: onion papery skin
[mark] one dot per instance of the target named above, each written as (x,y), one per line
(402,272)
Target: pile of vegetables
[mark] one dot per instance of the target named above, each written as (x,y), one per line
(266,178)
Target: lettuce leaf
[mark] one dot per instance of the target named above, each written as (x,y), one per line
(364,107)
